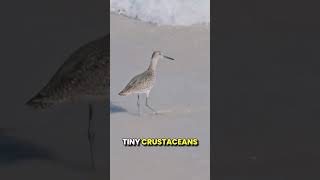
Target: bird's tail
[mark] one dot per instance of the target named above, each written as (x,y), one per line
(38,103)
(123,93)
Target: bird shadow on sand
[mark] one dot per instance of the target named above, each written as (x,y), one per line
(14,150)
(116,109)
(145,112)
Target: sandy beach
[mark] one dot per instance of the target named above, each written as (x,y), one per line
(181,95)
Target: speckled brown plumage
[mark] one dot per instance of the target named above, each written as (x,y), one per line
(141,83)
(85,74)
(144,82)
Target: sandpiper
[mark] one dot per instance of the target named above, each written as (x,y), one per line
(144,82)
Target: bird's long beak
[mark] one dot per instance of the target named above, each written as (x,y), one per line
(168,58)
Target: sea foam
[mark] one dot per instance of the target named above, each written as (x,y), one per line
(164,12)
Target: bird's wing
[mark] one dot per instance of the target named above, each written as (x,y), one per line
(134,83)
(83,64)
(81,60)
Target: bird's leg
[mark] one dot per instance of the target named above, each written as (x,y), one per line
(91,135)
(138,104)
(149,105)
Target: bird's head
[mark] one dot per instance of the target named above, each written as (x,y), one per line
(158,55)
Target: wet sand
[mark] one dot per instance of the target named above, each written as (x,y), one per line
(181,94)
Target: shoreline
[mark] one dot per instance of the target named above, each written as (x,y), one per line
(199,25)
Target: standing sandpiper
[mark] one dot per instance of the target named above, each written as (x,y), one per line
(143,83)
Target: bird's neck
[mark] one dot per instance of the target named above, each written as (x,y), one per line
(153,64)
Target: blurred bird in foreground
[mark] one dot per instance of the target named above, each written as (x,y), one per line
(85,75)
